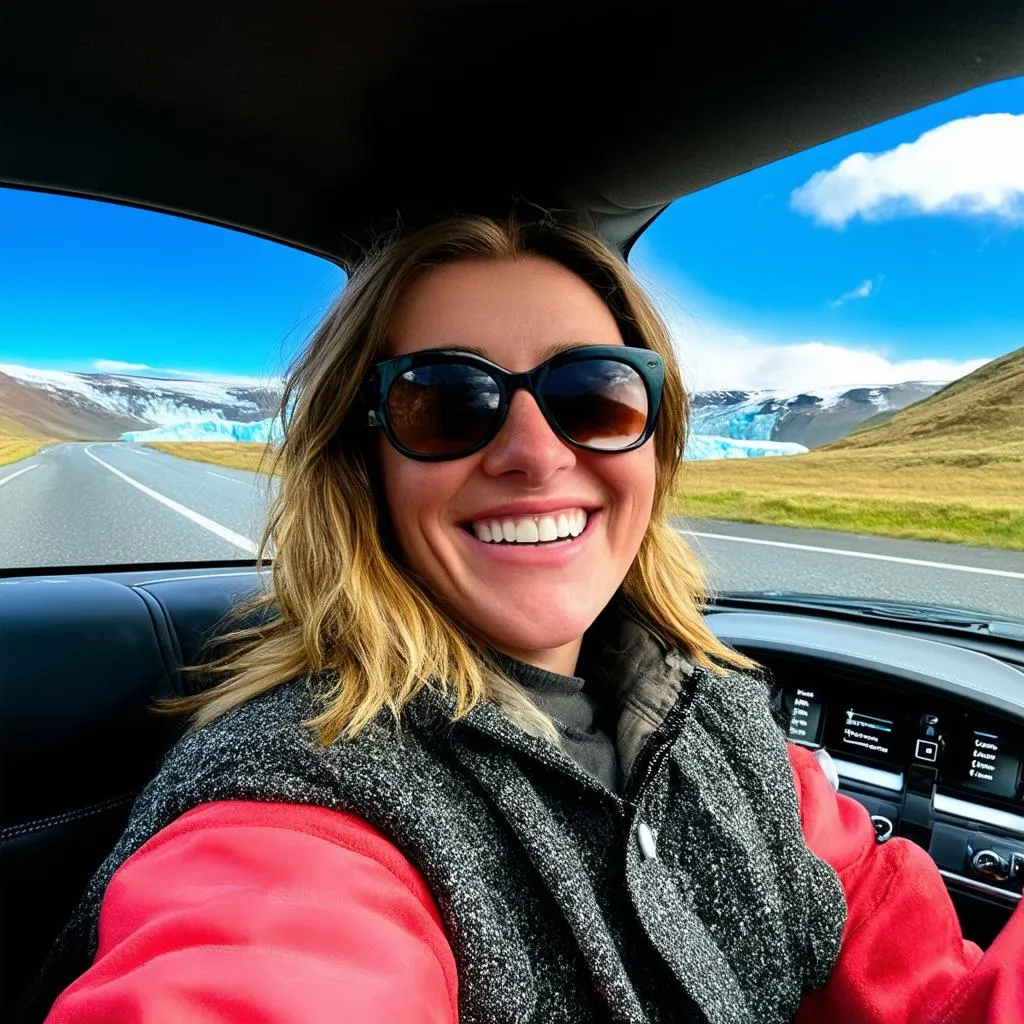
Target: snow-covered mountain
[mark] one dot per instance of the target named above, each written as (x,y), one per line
(106,406)
(807,419)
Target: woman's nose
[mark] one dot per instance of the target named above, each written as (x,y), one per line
(526,443)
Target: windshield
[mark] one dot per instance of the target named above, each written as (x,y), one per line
(850,324)
(849,321)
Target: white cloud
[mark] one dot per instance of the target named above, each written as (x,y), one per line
(223,378)
(971,166)
(116,366)
(862,291)
(715,356)
(238,380)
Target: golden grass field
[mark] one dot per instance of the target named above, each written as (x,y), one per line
(876,494)
(17,443)
(12,449)
(253,457)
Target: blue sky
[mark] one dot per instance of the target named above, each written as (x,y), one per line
(829,267)
(82,282)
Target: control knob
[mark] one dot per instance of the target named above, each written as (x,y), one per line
(883,827)
(990,865)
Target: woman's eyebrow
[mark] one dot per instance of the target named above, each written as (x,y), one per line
(551,350)
(561,346)
(472,349)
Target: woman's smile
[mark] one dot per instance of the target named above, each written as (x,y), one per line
(531,542)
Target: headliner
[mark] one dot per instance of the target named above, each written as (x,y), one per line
(320,123)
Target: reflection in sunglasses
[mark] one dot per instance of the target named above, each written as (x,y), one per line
(600,420)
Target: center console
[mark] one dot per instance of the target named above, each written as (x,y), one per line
(927,768)
(927,735)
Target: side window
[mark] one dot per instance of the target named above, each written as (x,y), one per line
(850,324)
(141,362)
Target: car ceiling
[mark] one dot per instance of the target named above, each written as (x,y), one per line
(322,124)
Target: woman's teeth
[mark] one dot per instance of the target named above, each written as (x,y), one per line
(531,529)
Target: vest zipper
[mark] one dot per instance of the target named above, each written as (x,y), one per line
(653,753)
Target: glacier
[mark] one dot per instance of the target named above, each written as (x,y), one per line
(702,447)
(216,429)
(747,421)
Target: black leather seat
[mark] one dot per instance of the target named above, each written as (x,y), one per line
(82,660)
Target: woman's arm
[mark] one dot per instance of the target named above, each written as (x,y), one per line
(903,959)
(270,912)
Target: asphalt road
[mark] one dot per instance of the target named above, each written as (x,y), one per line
(124,504)
(741,556)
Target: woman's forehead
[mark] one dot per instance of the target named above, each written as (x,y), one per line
(514,312)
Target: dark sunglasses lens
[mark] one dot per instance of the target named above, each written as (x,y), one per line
(600,403)
(444,408)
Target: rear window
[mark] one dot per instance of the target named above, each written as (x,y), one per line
(141,363)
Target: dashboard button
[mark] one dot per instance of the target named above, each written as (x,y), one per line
(1017,866)
(927,750)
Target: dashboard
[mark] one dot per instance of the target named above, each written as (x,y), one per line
(927,734)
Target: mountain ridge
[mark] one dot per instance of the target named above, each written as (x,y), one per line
(978,417)
(103,406)
(810,418)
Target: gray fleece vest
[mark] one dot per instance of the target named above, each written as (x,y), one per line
(689,897)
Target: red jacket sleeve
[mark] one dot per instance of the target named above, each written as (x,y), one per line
(274,913)
(903,958)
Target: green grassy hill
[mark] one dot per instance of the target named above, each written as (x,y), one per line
(974,421)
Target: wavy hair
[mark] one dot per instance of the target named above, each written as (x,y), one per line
(341,605)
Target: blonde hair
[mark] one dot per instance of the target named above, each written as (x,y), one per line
(341,605)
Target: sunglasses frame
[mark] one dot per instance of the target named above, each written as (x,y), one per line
(648,365)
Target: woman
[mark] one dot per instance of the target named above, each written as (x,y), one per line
(485,762)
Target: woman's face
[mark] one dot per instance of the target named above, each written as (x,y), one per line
(532,601)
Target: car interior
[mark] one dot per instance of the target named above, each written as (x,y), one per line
(322,125)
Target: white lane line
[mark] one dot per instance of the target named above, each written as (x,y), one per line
(859,554)
(6,479)
(221,476)
(200,520)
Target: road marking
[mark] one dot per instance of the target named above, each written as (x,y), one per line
(200,520)
(860,554)
(221,476)
(6,479)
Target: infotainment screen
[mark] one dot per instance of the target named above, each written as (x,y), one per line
(804,710)
(873,733)
(867,729)
(985,760)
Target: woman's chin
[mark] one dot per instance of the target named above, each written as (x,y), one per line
(551,632)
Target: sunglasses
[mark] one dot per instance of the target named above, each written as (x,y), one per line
(444,404)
